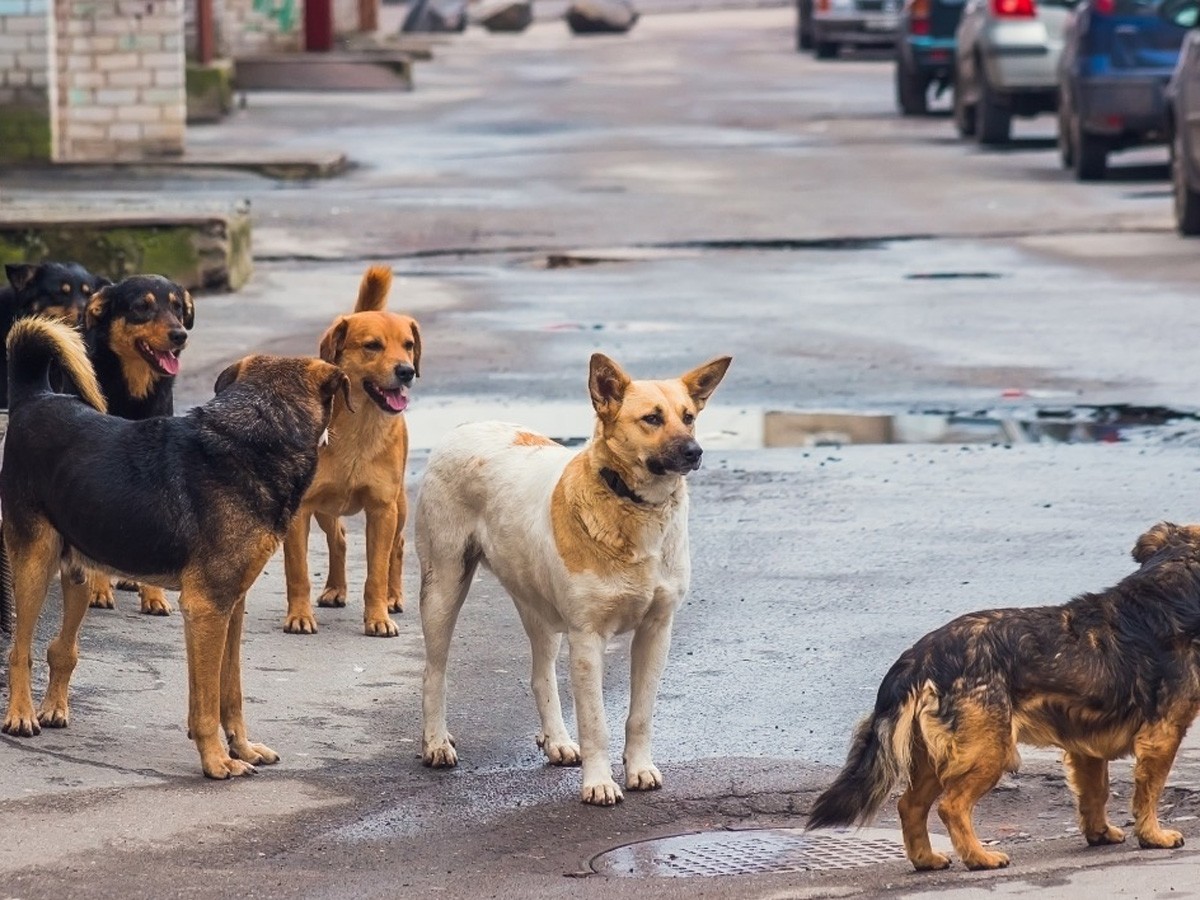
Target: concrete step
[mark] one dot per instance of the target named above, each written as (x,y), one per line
(360,70)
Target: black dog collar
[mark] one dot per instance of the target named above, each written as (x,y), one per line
(618,486)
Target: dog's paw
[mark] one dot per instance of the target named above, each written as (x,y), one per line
(560,752)
(643,778)
(223,767)
(384,627)
(101,595)
(933,862)
(439,753)
(1110,835)
(1160,838)
(395,604)
(54,716)
(986,859)
(303,623)
(254,754)
(332,596)
(602,793)
(21,724)
(154,602)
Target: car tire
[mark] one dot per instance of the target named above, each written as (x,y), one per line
(826,49)
(964,115)
(912,90)
(1187,201)
(1066,148)
(993,120)
(1090,153)
(804,38)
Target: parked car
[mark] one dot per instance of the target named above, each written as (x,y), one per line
(1117,58)
(1006,64)
(925,52)
(1183,116)
(826,25)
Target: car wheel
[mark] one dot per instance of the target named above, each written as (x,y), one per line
(826,49)
(964,114)
(1187,201)
(1090,153)
(1066,149)
(804,38)
(993,118)
(912,90)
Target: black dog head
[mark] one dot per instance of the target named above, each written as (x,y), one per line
(61,290)
(142,317)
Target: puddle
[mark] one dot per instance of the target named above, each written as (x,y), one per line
(750,428)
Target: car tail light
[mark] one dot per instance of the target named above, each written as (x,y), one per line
(1104,7)
(918,16)
(824,5)
(1014,9)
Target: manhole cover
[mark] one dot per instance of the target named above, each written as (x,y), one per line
(753,852)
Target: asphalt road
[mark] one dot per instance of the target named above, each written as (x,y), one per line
(741,199)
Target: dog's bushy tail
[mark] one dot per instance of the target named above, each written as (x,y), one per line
(880,754)
(35,343)
(373,291)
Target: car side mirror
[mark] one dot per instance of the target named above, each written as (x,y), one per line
(1184,13)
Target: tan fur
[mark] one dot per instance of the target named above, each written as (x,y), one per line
(73,356)
(140,376)
(362,469)
(531,439)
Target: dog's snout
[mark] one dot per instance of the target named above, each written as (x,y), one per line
(405,373)
(177,336)
(690,452)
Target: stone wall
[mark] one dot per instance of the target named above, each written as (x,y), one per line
(259,26)
(120,75)
(25,92)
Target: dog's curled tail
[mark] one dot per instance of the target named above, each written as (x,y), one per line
(373,291)
(35,343)
(880,755)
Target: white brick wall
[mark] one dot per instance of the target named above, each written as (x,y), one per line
(120,79)
(24,50)
(258,26)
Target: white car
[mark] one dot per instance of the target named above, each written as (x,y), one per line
(1006,64)
(862,23)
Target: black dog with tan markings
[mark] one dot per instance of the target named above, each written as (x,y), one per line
(1103,676)
(196,503)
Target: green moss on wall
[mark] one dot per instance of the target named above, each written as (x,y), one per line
(24,134)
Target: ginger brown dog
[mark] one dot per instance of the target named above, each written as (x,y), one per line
(1103,676)
(363,469)
(590,543)
(196,503)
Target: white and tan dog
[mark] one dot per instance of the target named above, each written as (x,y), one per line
(590,544)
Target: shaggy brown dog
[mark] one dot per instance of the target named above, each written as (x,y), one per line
(1104,676)
(363,469)
(196,503)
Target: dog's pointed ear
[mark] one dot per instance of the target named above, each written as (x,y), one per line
(702,381)
(607,383)
(1153,541)
(19,274)
(333,340)
(189,311)
(97,307)
(416,334)
(228,377)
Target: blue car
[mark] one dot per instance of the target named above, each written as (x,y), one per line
(1117,58)
(925,52)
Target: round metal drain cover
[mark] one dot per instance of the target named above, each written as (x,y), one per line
(752,852)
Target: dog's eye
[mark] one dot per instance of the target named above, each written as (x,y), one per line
(653,419)
(409,345)
(372,345)
(688,418)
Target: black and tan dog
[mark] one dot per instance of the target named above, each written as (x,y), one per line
(1104,676)
(134,331)
(196,503)
(55,289)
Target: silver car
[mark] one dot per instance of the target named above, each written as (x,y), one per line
(862,23)
(1006,63)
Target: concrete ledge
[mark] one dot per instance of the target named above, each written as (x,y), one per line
(374,70)
(200,249)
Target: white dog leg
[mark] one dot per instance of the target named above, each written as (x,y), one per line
(554,739)
(587,681)
(648,658)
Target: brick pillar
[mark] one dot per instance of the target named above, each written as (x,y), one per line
(26,123)
(120,79)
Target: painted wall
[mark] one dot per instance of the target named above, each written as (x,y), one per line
(26,125)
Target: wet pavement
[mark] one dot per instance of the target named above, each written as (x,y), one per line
(750,201)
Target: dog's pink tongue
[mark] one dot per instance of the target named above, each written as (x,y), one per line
(397,401)
(169,361)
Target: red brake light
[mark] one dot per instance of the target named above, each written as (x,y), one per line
(1022,9)
(918,16)
(1105,7)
